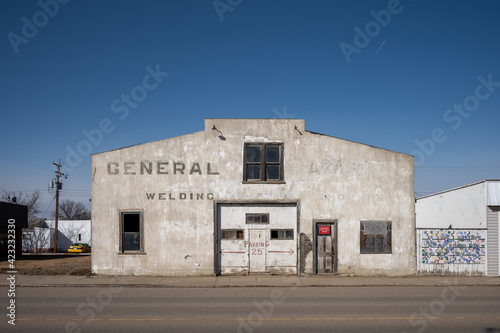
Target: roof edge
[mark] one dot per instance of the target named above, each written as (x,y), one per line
(145,143)
(458,188)
(360,143)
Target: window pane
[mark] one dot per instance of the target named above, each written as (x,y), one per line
(273,154)
(131,222)
(282,234)
(272,171)
(257,218)
(253,154)
(131,242)
(232,234)
(253,171)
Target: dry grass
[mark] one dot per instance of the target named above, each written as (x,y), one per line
(49,265)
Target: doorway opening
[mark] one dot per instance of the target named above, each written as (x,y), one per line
(325,247)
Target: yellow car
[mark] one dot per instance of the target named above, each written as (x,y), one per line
(79,248)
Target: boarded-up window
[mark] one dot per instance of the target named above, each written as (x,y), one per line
(375,237)
(232,234)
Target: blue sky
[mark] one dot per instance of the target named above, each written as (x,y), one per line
(398,84)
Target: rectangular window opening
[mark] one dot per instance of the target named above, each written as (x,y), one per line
(375,237)
(131,228)
(257,218)
(232,234)
(263,163)
(282,234)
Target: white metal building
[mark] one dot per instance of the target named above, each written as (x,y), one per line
(41,238)
(250,196)
(457,230)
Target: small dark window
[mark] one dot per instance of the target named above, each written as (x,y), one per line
(131,231)
(257,218)
(263,162)
(232,234)
(282,234)
(375,237)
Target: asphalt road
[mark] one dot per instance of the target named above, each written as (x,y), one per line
(339,309)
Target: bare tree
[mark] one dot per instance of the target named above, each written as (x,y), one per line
(31,200)
(70,210)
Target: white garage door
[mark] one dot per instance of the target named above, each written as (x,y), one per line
(257,238)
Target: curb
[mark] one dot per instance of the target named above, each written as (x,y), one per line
(170,286)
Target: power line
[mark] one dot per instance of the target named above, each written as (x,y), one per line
(48,206)
(74,189)
(67,189)
(21,190)
(463,167)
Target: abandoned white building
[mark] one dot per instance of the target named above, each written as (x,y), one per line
(39,236)
(457,230)
(250,196)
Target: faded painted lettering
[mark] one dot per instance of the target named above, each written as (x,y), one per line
(195,168)
(210,172)
(257,244)
(148,168)
(179,167)
(344,168)
(257,248)
(129,166)
(160,168)
(113,168)
(182,196)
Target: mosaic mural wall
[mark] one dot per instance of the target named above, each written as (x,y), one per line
(453,247)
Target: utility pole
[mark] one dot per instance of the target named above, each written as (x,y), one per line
(58,185)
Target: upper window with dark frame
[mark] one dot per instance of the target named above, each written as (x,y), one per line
(375,237)
(131,232)
(263,163)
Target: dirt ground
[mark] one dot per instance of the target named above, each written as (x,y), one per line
(48,265)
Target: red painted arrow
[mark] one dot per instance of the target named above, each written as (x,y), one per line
(221,252)
(290,251)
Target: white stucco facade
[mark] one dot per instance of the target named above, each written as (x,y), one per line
(189,205)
